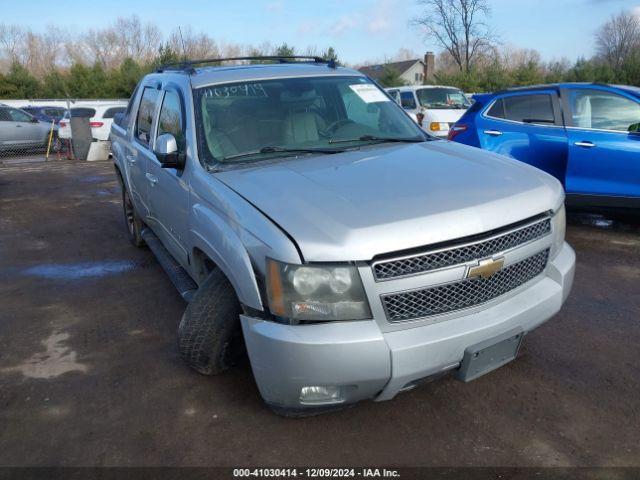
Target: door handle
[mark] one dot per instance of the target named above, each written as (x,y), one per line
(152,178)
(18,126)
(493,133)
(585,144)
(131,159)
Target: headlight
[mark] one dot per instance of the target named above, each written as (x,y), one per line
(316,292)
(558,228)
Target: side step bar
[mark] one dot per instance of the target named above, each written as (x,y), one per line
(178,275)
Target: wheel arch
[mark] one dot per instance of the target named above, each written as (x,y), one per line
(119,174)
(216,245)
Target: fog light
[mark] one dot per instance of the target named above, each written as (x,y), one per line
(321,395)
(439,126)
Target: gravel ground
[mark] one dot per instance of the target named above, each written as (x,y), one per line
(90,374)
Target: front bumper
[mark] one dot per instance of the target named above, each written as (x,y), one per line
(370,363)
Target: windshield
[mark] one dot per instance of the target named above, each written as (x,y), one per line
(442,98)
(254,120)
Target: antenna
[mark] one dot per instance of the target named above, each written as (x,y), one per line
(184,50)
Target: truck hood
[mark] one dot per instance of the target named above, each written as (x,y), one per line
(358,204)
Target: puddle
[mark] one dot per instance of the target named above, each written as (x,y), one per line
(56,360)
(627,271)
(79,271)
(593,220)
(618,222)
(95,179)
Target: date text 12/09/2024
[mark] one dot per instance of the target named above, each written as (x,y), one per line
(315,473)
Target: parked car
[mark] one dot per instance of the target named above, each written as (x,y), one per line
(45,114)
(585,135)
(440,106)
(297,207)
(20,130)
(100,118)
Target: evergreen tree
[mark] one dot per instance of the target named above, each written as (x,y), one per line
(330,54)
(55,85)
(285,50)
(391,78)
(19,83)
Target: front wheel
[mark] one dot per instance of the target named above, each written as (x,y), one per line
(210,335)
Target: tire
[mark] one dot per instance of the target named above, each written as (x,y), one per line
(131,219)
(210,336)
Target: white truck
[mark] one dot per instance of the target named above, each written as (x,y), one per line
(434,107)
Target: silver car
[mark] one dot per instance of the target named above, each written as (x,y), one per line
(303,215)
(20,130)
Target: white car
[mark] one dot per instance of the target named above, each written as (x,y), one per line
(441,106)
(100,118)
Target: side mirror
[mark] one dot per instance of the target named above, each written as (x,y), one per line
(34,120)
(166,151)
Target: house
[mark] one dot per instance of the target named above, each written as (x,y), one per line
(413,72)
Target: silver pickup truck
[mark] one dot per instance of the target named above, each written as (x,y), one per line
(306,218)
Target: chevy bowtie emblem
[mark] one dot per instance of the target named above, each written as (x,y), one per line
(486,268)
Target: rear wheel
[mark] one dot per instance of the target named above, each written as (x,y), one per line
(133,223)
(210,336)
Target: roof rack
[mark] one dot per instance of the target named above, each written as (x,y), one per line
(189,65)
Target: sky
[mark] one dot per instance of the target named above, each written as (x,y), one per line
(359,30)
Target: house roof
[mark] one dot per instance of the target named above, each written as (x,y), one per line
(376,71)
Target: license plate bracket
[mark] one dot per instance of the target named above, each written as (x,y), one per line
(484,357)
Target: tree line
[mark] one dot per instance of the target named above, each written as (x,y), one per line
(108,62)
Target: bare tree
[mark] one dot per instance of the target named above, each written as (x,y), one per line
(11,39)
(618,39)
(191,45)
(126,38)
(458,26)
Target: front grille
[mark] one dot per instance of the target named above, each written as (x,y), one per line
(455,255)
(462,294)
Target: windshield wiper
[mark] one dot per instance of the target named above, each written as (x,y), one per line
(273,149)
(373,138)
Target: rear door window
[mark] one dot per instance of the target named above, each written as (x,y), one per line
(19,115)
(497,109)
(144,118)
(4,115)
(535,109)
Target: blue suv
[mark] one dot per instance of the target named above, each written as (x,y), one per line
(585,135)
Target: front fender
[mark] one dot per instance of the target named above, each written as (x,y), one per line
(223,246)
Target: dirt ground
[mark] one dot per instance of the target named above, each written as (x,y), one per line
(90,374)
